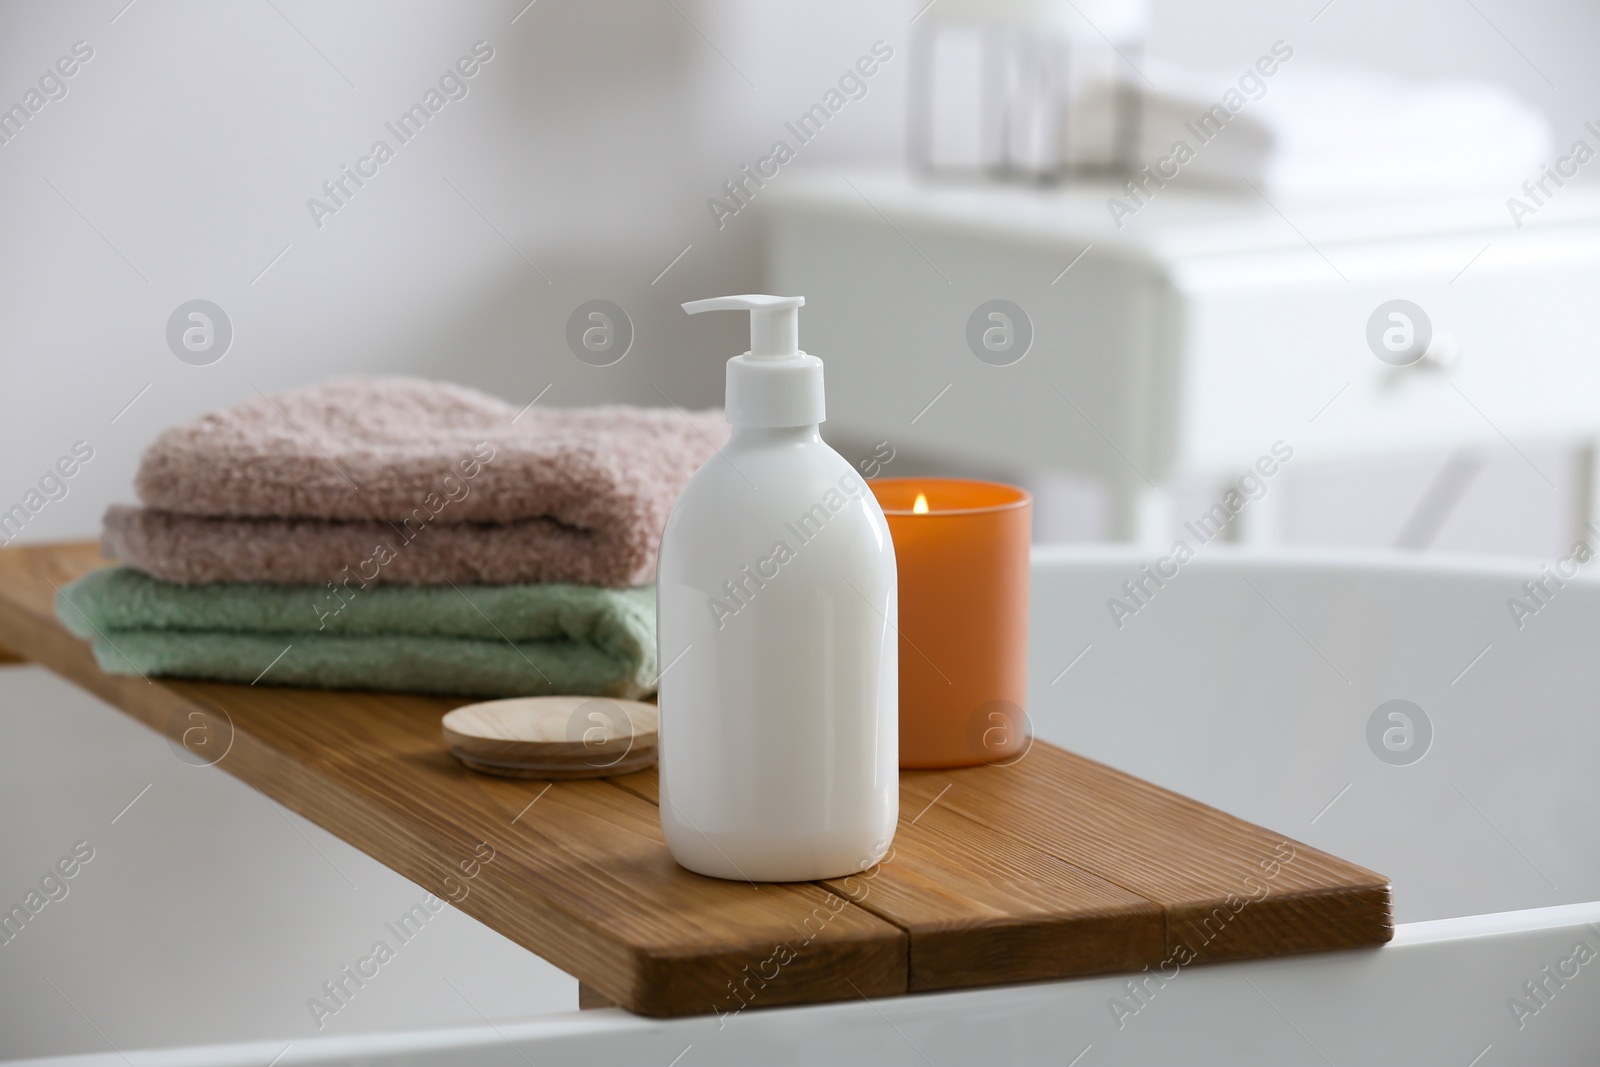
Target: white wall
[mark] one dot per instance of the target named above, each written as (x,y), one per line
(179,164)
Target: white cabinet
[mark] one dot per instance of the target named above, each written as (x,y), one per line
(1189,340)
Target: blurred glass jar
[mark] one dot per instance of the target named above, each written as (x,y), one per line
(995,84)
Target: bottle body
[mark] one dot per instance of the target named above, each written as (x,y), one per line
(776,612)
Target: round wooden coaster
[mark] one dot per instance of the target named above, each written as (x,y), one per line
(554,737)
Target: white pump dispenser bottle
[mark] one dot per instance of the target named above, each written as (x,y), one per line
(776,618)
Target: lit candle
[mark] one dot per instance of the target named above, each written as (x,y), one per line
(961,548)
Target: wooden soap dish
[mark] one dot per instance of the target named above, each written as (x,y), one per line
(554,737)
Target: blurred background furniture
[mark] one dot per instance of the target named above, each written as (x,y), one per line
(1186,341)
(1029,61)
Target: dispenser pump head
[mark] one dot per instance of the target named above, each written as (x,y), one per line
(774,384)
(774,321)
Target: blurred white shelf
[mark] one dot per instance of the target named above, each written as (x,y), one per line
(1189,339)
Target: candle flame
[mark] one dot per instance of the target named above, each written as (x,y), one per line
(921,506)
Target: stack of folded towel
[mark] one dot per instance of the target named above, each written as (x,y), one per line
(393,533)
(1318,133)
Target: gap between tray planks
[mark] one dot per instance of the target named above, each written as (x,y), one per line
(1229,889)
(1058,866)
(1054,867)
(981,908)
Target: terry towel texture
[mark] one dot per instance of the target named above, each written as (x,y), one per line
(194,548)
(544,494)
(527,640)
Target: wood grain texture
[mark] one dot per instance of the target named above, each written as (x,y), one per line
(554,737)
(1053,867)
(1229,889)
(590,998)
(580,873)
(982,908)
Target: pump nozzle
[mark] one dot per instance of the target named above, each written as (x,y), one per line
(774,320)
(774,384)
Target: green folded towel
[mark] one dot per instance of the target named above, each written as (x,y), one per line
(511,640)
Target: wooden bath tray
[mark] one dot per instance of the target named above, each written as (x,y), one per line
(1053,867)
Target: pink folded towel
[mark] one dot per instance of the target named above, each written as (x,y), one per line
(421,482)
(195,548)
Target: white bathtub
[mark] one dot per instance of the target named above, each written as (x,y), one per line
(1245,681)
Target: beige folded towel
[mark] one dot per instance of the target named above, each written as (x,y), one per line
(194,548)
(411,481)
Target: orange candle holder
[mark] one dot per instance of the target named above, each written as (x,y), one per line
(961,548)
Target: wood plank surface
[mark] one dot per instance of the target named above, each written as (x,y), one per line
(1230,889)
(1053,867)
(982,908)
(582,876)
